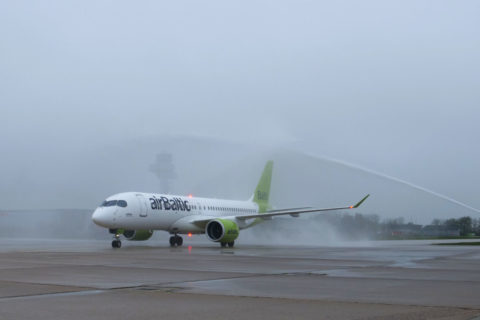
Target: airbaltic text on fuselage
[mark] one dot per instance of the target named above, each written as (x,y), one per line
(164,203)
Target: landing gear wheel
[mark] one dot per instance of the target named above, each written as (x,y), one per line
(176,241)
(231,244)
(223,244)
(179,241)
(116,244)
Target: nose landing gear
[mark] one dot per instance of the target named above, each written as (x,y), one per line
(176,241)
(116,243)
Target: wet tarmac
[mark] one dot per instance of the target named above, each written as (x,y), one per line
(58,279)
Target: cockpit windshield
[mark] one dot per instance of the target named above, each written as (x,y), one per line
(112,203)
(122,203)
(109,203)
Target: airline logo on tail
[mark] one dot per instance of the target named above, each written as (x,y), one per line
(262,191)
(262,196)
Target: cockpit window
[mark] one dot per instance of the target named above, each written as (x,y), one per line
(109,203)
(122,203)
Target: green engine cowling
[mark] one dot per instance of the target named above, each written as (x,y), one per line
(222,230)
(137,235)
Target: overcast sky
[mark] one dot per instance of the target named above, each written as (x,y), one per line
(391,85)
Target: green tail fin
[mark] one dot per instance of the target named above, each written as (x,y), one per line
(262,192)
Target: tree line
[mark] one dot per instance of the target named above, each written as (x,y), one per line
(371,226)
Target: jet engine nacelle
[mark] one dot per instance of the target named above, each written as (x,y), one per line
(222,230)
(137,235)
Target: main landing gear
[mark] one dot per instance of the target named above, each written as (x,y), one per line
(230,244)
(176,241)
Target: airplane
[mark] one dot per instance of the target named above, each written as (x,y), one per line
(135,215)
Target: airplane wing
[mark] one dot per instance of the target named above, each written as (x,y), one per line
(294,212)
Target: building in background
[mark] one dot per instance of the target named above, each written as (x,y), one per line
(164,169)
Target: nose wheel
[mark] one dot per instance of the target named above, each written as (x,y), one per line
(176,241)
(116,243)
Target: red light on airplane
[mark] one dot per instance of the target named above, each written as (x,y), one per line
(190,195)
(189,234)
(351,207)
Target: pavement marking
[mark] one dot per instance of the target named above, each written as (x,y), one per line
(49,295)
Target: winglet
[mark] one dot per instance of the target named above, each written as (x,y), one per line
(360,202)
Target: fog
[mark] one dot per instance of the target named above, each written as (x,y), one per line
(92,91)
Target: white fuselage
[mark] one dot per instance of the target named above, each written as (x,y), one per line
(171,213)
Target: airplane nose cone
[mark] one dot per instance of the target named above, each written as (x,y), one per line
(100,217)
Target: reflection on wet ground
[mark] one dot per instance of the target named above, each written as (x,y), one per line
(396,273)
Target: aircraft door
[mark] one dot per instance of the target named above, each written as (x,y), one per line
(142,206)
(114,214)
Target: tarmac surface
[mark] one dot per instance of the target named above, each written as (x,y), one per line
(59,279)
